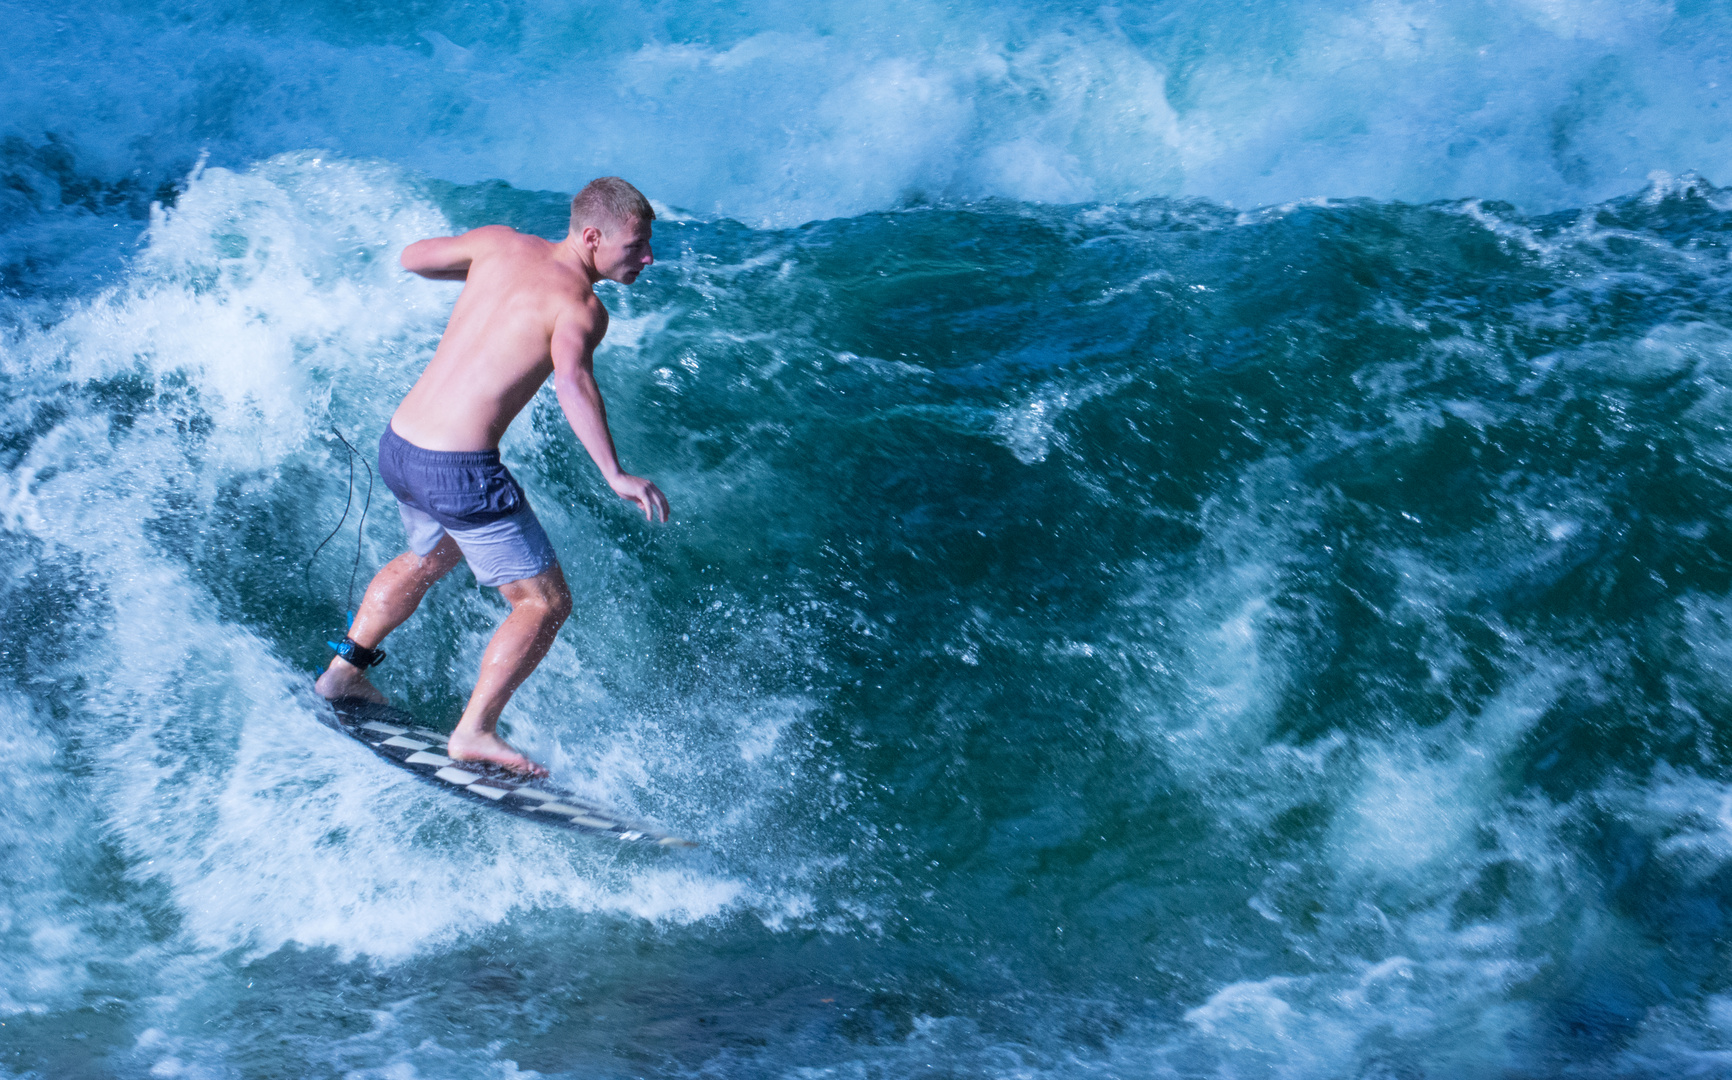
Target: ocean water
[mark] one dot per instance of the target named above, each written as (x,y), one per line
(1202,542)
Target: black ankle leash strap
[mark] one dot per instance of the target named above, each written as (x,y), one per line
(359,655)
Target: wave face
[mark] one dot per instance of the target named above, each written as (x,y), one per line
(1103,632)
(1142,640)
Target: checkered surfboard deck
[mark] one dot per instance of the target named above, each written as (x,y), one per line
(395,736)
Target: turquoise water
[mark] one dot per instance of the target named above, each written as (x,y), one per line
(1202,544)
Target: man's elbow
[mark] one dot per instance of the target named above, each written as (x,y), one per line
(565,382)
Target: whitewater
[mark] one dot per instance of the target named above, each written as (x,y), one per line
(1202,542)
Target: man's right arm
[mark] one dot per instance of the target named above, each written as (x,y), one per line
(447,258)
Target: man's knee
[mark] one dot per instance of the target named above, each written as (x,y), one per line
(545,594)
(555,603)
(560,604)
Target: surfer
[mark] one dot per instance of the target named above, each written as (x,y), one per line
(528,310)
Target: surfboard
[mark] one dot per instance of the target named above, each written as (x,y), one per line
(398,738)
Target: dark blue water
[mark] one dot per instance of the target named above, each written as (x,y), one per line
(1202,545)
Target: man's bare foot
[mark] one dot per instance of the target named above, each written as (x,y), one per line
(343,679)
(489,747)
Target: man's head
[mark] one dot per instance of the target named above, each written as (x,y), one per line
(611,220)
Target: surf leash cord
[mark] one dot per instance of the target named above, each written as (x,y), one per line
(360,532)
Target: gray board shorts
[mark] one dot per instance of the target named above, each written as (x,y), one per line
(472,496)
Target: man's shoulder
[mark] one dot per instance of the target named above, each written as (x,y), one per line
(582,305)
(579,315)
(500,235)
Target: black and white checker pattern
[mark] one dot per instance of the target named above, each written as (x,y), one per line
(395,736)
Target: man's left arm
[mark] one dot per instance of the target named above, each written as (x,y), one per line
(575,336)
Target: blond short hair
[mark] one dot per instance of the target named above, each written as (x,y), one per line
(609,203)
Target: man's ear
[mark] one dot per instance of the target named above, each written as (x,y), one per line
(591,236)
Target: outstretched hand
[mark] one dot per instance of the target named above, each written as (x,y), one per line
(646,495)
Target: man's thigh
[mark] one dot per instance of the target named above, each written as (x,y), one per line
(424,533)
(511,549)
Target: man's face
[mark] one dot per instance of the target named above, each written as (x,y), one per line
(622,256)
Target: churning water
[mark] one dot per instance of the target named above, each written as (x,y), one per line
(1203,542)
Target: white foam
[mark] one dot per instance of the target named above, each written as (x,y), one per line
(749,114)
(48,945)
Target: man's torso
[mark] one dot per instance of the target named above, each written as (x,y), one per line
(495,353)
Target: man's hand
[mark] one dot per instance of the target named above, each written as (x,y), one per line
(648,497)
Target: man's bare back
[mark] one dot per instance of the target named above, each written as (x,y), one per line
(497,348)
(528,309)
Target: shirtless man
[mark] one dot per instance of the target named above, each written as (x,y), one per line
(528,309)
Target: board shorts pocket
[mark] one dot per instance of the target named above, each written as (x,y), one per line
(468,497)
